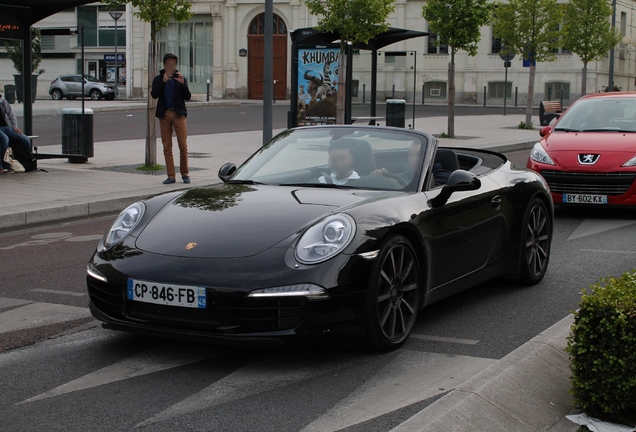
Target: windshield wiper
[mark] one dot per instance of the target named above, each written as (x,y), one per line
(244,182)
(566,130)
(604,130)
(319,185)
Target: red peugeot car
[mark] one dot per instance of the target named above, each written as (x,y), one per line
(589,155)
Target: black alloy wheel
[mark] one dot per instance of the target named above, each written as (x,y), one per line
(535,243)
(393,298)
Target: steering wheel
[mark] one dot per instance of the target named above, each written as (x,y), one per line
(396,177)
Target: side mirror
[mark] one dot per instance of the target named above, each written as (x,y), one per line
(226,171)
(459,181)
(545,131)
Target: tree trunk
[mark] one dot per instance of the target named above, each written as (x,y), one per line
(151,132)
(584,80)
(341,96)
(451,96)
(533,69)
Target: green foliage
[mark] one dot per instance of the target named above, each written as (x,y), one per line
(530,27)
(602,349)
(587,31)
(524,125)
(444,135)
(458,23)
(151,168)
(14,52)
(355,20)
(159,13)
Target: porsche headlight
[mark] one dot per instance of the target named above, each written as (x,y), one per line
(630,163)
(325,239)
(538,154)
(124,224)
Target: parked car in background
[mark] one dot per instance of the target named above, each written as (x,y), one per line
(70,87)
(589,155)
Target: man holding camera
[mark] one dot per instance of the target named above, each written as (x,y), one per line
(171,89)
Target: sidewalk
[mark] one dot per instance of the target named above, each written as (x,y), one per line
(524,391)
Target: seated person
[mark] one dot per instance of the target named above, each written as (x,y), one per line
(9,131)
(340,162)
(413,163)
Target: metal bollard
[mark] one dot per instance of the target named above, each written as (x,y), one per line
(364,93)
(484,96)
(393,96)
(423,94)
(561,98)
(208,91)
(274,91)
(516,96)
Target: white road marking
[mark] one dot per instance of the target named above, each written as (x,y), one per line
(444,339)
(53,235)
(608,251)
(50,291)
(411,377)
(142,363)
(6,302)
(39,314)
(596,226)
(85,238)
(265,374)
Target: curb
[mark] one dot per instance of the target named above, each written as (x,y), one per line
(527,390)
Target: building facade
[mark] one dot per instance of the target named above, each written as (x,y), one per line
(221,52)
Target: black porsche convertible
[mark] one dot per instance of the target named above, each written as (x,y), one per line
(325,233)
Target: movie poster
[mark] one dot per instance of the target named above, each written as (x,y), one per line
(317,85)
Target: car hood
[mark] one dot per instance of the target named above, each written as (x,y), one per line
(234,221)
(614,149)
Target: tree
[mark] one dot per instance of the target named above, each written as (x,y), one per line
(159,13)
(457,23)
(530,28)
(588,33)
(14,52)
(355,21)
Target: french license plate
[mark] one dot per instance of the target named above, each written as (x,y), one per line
(584,199)
(165,294)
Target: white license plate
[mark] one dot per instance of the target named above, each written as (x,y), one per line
(165,294)
(584,199)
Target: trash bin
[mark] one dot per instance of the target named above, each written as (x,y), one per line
(77,134)
(9,93)
(396,112)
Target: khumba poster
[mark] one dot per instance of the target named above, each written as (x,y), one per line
(317,85)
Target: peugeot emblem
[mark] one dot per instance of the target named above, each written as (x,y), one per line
(588,159)
(191,246)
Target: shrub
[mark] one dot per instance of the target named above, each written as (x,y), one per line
(602,350)
(524,125)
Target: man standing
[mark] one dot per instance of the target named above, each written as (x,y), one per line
(9,131)
(171,89)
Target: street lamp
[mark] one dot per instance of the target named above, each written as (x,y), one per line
(611,58)
(116,15)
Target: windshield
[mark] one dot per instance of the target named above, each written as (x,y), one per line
(338,157)
(91,78)
(600,115)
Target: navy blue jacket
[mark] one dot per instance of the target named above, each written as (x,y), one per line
(181,96)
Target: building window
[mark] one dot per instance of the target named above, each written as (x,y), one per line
(622,48)
(495,43)
(433,48)
(396,59)
(191,41)
(557,90)
(257,26)
(435,90)
(496,90)
(99,27)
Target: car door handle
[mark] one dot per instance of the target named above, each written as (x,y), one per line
(496,202)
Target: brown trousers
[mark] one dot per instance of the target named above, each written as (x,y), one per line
(167,124)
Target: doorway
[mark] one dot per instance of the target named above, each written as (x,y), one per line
(255,60)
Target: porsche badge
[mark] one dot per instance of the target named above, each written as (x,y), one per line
(191,246)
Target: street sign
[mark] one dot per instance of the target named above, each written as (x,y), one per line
(507,64)
(526,63)
(506,56)
(111,58)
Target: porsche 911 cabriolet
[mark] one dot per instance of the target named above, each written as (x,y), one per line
(326,233)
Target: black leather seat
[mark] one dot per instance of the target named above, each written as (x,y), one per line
(447,159)
(364,162)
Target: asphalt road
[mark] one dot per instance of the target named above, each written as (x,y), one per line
(124,125)
(60,371)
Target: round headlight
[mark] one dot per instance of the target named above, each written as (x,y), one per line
(325,239)
(124,224)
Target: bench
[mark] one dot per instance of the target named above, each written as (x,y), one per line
(548,111)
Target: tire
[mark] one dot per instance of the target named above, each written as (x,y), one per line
(95,94)
(536,237)
(57,94)
(393,296)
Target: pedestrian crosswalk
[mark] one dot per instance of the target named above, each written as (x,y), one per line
(317,389)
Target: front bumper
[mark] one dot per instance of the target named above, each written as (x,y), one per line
(231,317)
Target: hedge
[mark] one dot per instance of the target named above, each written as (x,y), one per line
(602,350)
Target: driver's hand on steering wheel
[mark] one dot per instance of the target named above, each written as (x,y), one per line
(378,172)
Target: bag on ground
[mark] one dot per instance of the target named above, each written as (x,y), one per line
(24,156)
(16,166)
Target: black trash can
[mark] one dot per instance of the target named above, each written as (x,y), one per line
(77,134)
(396,113)
(9,93)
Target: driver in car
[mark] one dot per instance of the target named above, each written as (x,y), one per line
(340,162)
(440,175)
